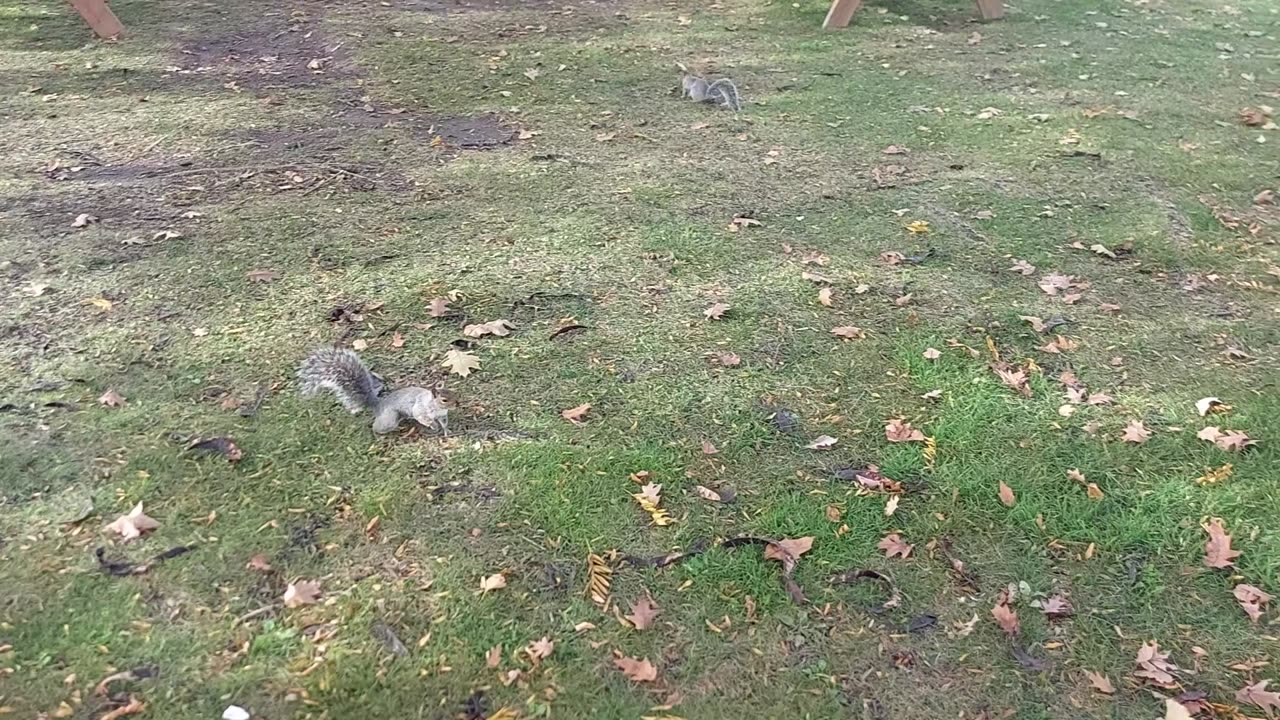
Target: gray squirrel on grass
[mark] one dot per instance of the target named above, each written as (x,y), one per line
(344,374)
(722,92)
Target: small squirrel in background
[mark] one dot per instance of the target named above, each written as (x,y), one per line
(343,373)
(721,92)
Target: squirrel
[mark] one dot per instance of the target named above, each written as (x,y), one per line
(721,92)
(343,373)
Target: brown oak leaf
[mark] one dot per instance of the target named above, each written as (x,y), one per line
(637,669)
(576,414)
(1217,550)
(1135,432)
(643,613)
(1251,600)
(892,544)
(898,430)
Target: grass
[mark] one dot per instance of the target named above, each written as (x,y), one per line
(613,214)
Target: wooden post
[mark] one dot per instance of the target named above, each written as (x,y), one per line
(841,12)
(99,16)
(991,9)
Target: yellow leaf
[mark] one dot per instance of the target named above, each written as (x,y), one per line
(102,304)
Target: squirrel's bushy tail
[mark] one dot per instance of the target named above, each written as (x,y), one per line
(342,373)
(727,92)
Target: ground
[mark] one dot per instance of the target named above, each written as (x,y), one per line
(190,210)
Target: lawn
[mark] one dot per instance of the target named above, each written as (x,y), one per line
(1041,240)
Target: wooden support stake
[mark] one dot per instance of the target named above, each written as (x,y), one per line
(841,12)
(99,16)
(991,9)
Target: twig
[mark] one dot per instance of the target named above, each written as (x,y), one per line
(256,613)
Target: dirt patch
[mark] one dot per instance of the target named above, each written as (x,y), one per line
(466,132)
(283,55)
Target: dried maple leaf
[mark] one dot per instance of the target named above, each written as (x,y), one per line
(1233,440)
(717,311)
(892,544)
(931,354)
(1015,378)
(898,430)
(1251,600)
(1258,696)
(497,581)
(1135,432)
(438,307)
(302,592)
(540,649)
(1100,682)
(111,399)
(133,525)
(576,414)
(637,669)
(1006,616)
(1036,323)
(1023,267)
(795,547)
(1057,606)
(1204,406)
(501,328)
(891,506)
(848,332)
(461,362)
(1217,550)
(824,297)
(822,442)
(643,613)
(1154,666)
(1006,495)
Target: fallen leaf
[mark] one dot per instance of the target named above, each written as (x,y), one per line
(1006,495)
(898,430)
(891,506)
(892,257)
(1099,399)
(795,547)
(493,658)
(1217,550)
(397,340)
(1100,682)
(649,498)
(822,442)
(1135,432)
(918,227)
(540,649)
(84,220)
(223,446)
(903,300)
(496,581)
(1093,491)
(360,344)
(501,328)
(102,304)
(1174,710)
(848,332)
(717,311)
(814,277)
(892,544)
(1233,440)
(133,525)
(728,359)
(1154,666)
(931,354)
(637,669)
(112,399)
(1057,606)
(1251,600)
(575,414)
(1215,475)
(1022,267)
(1258,696)
(895,150)
(1102,250)
(531,73)
(262,276)
(526,134)
(302,592)
(1204,406)
(598,579)
(824,297)
(833,513)
(1036,323)
(1210,433)
(708,494)
(1052,283)
(438,307)
(643,613)
(460,362)
(1005,616)
(1059,345)
(1015,378)
(1252,117)
(708,448)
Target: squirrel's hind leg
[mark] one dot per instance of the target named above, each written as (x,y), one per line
(387,420)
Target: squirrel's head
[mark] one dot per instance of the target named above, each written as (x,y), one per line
(446,398)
